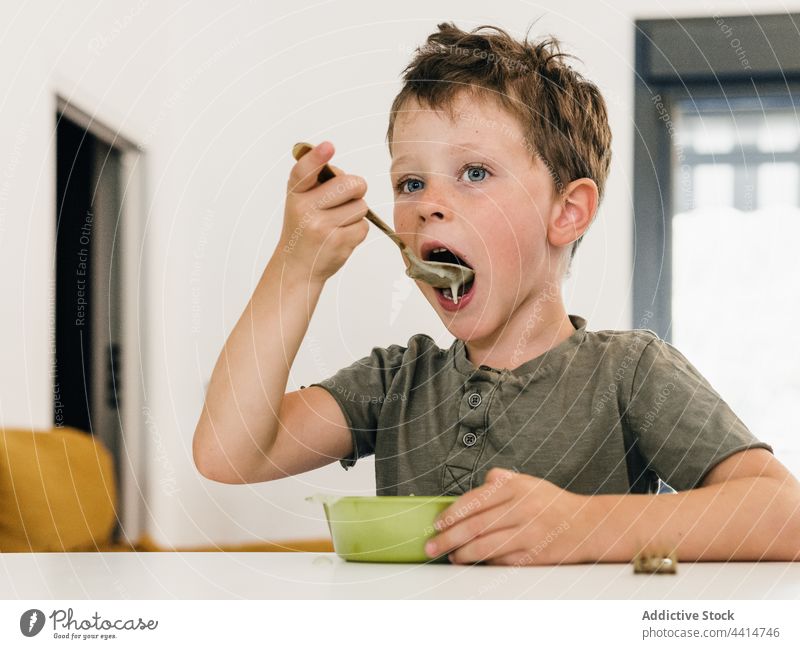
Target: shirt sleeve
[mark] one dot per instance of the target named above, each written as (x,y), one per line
(682,427)
(361,390)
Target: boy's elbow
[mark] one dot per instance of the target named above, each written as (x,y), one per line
(207,462)
(792,534)
(202,462)
(213,464)
(785,545)
(210,470)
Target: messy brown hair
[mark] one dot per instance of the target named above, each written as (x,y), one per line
(563,115)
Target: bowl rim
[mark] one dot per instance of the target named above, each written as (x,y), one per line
(395,499)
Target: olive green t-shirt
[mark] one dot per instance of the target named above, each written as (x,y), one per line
(603,412)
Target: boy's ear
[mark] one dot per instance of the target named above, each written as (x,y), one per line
(573,212)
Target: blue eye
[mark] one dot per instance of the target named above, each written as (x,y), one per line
(404,184)
(481,175)
(474,173)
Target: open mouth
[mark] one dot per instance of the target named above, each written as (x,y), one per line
(446,255)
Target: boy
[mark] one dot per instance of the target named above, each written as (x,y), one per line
(552,435)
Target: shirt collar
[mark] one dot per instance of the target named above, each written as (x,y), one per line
(553,359)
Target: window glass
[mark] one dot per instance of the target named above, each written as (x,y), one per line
(735,267)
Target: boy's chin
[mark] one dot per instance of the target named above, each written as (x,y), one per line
(465,326)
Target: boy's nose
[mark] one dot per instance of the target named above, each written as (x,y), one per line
(434,205)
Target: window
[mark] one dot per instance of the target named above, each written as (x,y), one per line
(717,208)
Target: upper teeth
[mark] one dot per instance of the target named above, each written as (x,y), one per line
(438,250)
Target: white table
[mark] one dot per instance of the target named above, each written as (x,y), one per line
(287,575)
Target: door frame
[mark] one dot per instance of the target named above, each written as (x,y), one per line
(132,465)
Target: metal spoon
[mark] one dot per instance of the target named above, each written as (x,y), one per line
(438,274)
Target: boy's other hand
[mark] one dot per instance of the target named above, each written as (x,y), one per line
(511,519)
(323,222)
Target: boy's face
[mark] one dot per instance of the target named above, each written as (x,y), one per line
(471,185)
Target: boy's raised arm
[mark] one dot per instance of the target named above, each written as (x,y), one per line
(245,413)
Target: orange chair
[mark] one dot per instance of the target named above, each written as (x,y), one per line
(58,493)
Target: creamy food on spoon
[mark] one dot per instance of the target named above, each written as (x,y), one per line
(453,288)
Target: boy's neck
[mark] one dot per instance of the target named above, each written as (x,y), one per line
(530,332)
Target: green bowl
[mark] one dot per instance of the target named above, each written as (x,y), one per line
(384,528)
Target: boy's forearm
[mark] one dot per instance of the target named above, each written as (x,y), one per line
(239,420)
(746,519)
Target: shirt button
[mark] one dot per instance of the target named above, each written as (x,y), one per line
(474,400)
(469,439)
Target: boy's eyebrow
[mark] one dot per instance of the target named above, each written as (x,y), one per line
(463,147)
(396,160)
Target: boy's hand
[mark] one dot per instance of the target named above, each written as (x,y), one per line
(512,519)
(322,223)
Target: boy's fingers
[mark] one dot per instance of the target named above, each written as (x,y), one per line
(305,171)
(486,547)
(337,191)
(480,524)
(347,214)
(479,499)
(516,559)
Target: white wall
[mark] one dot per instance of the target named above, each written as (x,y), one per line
(217,95)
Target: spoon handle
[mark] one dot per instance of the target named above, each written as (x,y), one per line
(326,173)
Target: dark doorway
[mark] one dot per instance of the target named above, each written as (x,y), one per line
(87,287)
